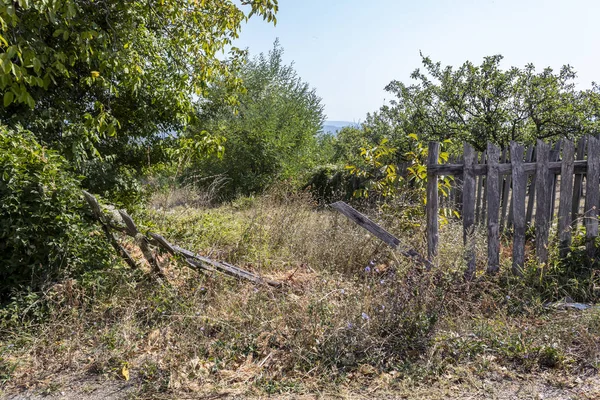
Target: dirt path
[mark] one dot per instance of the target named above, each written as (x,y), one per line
(539,387)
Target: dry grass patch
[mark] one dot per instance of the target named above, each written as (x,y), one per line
(351,312)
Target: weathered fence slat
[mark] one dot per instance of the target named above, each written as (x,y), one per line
(566,197)
(592,195)
(531,183)
(493,201)
(505,179)
(518,203)
(470,157)
(578,184)
(480,184)
(554,157)
(542,205)
(432,203)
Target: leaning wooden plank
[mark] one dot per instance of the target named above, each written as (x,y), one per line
(366,223)
(543,185)
(566,197)
(95,206)
(592,196)
(432,206)
(578,184)
(391,240)
(493,201)
(519,181)
(468,209)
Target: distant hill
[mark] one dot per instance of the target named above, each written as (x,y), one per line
(335,126)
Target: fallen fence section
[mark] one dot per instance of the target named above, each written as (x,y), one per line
(391,240)
(194,260)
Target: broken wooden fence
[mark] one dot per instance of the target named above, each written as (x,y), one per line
(150,240)
(511,189)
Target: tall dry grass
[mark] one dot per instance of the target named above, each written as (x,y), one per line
(351,310)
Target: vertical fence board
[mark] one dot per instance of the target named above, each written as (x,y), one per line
(469,209)
(478,216)
(554,156)
(531,199)
(542,206)
(592,195)
(505,181)
(493,203)
(578,185)
(566,197)
(519,181)
(432,202)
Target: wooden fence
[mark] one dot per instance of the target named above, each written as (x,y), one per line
(509,190)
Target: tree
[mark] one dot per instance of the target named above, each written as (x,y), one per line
(271,134)
(485,103)
(107,78)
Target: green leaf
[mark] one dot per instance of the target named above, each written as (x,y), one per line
(8,98)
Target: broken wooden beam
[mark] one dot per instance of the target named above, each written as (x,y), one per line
(197,261)
(364,222)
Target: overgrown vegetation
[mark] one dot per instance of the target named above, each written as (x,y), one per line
(351,311)
(44,233)
(132,101)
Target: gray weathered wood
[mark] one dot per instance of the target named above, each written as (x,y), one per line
(531,185)
(391,240)
(363,221)
(481,169)
(543,185)
(578,184)
(468,208)
(493,205)
(142,242)
(566,197)
(592,195)
(519,182)
(480,180)
(223,267)
(95,206)
(432,206)
(505,181)
(554,157)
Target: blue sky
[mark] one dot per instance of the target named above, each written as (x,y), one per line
(350,49)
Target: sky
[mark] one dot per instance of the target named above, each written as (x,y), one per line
(349,50)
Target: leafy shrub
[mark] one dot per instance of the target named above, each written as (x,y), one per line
(43,232)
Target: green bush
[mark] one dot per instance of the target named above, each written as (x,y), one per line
(44,234)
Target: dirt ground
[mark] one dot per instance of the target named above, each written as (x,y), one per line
(537,387)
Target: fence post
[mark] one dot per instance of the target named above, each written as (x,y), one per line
(519,181)
(542,206)
(493,208)
(468,209)
(566,197)
(432,201)
(592,195)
